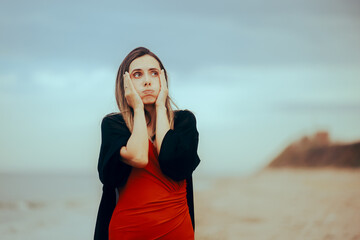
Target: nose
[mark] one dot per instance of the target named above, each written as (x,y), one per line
(147,80)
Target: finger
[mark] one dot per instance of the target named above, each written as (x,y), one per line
(163,79)
(126,82)
(130,85)
(130,88)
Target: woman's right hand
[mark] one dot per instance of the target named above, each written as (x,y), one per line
(132,97)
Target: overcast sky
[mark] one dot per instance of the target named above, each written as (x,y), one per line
(256,74)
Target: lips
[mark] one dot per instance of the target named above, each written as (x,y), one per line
(148,92)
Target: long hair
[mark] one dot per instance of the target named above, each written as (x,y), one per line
(127,111)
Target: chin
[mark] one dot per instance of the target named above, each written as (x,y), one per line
(149,100)
(149,103)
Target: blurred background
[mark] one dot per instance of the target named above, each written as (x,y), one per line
(258,75)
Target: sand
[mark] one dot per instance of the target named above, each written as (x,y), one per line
(271,204)
(281,204)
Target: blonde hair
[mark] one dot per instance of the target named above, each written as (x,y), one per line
(125,110)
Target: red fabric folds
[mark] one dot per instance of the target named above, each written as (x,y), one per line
(151,206)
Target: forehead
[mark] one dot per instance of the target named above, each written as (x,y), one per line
(144,62)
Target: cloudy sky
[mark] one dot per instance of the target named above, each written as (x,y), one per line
(257,75)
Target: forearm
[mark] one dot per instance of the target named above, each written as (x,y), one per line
(136,151)
(178,157)
(162,125)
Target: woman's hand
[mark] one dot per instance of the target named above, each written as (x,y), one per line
(161,99)
(132,97)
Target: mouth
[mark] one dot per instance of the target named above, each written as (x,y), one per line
(148,92)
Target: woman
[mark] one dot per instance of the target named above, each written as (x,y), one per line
(147,156)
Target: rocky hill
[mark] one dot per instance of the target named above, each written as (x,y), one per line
(318,151)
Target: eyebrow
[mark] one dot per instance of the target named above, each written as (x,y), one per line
(150,69)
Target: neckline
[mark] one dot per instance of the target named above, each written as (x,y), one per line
(152,139)
(153,149)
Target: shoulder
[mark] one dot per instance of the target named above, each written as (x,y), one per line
(181,114)
(113,117)
(184,117)
(112,120)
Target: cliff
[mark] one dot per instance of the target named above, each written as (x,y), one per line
(318,151)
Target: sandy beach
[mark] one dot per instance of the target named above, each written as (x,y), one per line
(271,204)
(282,205)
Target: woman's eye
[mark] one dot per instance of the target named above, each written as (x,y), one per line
(137,74)
(154,73)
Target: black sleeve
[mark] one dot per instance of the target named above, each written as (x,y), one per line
(114,135)
(178,156)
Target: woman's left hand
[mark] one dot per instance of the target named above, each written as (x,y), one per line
(161,99)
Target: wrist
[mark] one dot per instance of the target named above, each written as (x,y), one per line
(160,108)
(138,109)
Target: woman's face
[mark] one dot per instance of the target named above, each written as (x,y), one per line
(145,75)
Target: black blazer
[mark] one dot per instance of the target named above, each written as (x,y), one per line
(178,158)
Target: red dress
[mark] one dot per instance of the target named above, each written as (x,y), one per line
(151,206)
